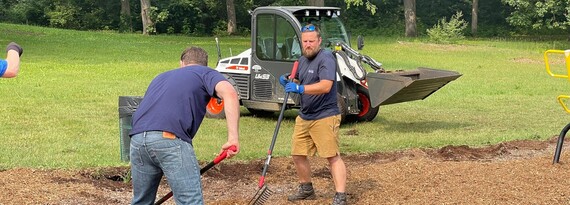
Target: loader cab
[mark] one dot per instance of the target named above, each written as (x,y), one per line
(276,30)
(275,44)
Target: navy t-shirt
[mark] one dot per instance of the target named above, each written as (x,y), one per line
(322,67)
(176,100)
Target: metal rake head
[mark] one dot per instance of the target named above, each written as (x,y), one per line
(261,196)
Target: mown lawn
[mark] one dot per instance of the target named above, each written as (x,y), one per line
(62,111)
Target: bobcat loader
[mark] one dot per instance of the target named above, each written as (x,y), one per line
(275,46)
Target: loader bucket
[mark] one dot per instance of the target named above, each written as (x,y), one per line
(403,86)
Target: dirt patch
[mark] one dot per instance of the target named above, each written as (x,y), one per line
(538,61)
(517,172)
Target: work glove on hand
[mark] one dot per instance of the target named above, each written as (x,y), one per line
(284,79)
(16,47)
(294,88)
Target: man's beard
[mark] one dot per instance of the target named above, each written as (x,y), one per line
(311,54)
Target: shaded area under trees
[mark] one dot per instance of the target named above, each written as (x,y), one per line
(216,17)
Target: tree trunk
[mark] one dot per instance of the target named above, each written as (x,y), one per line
(474,13)
(148,25)
(231,9)
(315,2)
(126,23)
(410,15)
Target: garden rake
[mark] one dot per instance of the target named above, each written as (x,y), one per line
(263,193)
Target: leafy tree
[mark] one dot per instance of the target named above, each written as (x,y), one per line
(538,14)
(315,2)
(369,5)
(25,11)
(63,15)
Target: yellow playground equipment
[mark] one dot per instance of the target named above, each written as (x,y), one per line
(560,98)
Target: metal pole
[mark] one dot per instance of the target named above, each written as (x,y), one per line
(560,143)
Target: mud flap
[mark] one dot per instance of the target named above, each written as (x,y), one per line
(403,86)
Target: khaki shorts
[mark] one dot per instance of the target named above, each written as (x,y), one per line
(316,136)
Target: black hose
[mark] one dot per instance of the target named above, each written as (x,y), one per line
(352,69)
(361,58)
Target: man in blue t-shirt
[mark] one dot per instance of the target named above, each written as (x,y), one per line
(165,123)
(318,123)
(10,67)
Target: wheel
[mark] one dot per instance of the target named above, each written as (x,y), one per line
(367,112)
(215,109)
(260,113)
(341,103)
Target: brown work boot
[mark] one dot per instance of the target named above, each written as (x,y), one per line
(339,199)
(306,192)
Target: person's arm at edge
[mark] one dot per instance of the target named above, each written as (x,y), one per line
(13,59)
(227,92)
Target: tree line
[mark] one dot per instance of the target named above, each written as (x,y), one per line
(231,17)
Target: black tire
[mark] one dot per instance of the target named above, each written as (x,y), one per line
(260,113)
(341,103)
(367,112)
(215,109)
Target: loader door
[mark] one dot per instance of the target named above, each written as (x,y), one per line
(275,46)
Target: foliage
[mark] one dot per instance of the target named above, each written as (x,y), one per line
(63,16)
(536,14)
(448,31)
(369,6)
(431,11)
(362,17)
(156,17)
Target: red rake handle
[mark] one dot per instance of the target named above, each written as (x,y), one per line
(224,154)
(217,160)
(294,70)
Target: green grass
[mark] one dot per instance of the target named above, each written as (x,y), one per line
(62,110)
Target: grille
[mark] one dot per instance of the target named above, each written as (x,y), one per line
(242,81)
(262,89)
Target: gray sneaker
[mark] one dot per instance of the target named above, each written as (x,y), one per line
(306,192)
(339,199)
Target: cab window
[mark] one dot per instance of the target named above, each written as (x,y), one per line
(276,39)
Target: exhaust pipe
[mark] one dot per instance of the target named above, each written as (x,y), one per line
(219,53)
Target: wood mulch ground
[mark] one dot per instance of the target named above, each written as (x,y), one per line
(517,172)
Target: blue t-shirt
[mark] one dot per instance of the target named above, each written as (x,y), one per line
(3,67)
(322,67)
(176,100)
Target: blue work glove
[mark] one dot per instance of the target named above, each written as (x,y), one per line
(294,88)
(283,80)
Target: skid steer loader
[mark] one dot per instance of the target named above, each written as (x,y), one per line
(275,46)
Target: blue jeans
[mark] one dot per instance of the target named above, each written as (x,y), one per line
(152,155)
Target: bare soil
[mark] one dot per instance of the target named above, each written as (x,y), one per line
(517,172)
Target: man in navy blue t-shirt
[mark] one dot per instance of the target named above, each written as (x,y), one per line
(318,123)
(165,123)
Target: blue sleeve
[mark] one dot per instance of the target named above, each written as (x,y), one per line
(3,67)
(211,79)
(327,69)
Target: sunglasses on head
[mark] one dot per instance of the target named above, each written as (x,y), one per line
(308,28)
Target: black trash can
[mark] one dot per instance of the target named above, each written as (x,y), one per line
(127,106)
